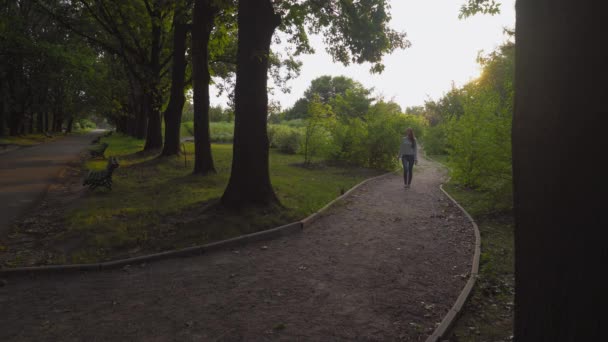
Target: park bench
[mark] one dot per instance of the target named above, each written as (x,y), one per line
(103,177)
(99,150)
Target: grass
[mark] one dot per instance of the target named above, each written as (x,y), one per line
(221,132)
(36,138)
(28,139)
(488,314)
(157,204)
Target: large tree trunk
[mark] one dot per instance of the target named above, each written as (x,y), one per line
(173,113)
(559,185)
(153,95)
(154,136)
(46,121)
(39,122)
(68,128)
(250,179)
(202,25)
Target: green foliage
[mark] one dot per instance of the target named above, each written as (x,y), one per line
(474,126)
(347,98)
(221,132)
(353,31)
(473,7)
(435,141)
(317,136)
(284,138)
(86,124)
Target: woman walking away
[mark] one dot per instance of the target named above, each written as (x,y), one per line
(409,156)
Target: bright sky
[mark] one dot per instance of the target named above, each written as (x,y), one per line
(443,50)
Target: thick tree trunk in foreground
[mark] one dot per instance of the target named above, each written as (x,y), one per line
(173,113)
(250,179)
(559,185)
(202,24)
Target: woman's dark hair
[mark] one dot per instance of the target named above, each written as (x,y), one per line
(410,135)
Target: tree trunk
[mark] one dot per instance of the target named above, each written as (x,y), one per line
(2,122)
(153,95)
(68,129)
(30,123)
(154,137)
(250,179)
(560,220)
(46,121)
(40,122)
(173,113)
(202,25)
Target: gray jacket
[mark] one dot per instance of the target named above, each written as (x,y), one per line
(407,148)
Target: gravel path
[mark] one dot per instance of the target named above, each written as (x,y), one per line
(386,264)
(26,173)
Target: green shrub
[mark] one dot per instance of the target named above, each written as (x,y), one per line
(221,132)
(84,124)
(286,139)
(435,140)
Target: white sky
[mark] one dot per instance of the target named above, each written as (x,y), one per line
(443,50)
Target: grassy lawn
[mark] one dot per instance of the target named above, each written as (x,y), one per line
(36,138)
(488,314)
(157,204)
(28,139)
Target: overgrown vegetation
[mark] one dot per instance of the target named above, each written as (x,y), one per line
(472,125)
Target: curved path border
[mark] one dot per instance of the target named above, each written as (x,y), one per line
(450,318)
(268,234)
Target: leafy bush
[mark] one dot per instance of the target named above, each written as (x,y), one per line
(85,124)
(286,139)
(435,140)
(480,144)
(221,132)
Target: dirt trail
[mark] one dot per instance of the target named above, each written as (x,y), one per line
(26,173)
(384,265)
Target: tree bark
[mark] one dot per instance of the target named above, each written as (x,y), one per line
(68,128)
(154,137)
(249,183)
(202,25)
(40,122)
(153,95)
(173,113)
(560,220)
(46,121)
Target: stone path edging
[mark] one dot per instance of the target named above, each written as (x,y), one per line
(450,317)
(268,234)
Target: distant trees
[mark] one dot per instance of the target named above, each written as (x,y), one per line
(347,97)
(345,122)
(472,125)
(47,76)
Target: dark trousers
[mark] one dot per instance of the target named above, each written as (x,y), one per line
(408,168)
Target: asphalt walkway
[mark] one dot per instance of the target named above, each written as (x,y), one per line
(26,173)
